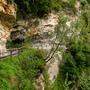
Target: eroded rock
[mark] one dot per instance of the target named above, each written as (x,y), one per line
(7,17)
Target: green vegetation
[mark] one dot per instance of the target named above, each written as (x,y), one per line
(42,7)
(10,44)
(58,84)
(74,72)
(19,72)
(36,7)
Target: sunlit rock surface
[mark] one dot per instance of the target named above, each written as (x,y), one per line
(7,16)
(45,28)
(7,8)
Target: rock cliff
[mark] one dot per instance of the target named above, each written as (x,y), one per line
(7,17)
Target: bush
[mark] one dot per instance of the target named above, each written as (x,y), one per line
(36,7)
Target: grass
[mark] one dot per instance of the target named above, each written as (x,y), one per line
(19,72)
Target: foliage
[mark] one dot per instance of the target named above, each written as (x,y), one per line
(58,84)
(41,7)
(77,59)
(36,7)
(10,44)
(19,72)
(74,72)
(56,5)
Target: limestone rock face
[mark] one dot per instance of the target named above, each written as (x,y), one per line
(7,16)
(6,8)
(4,34)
